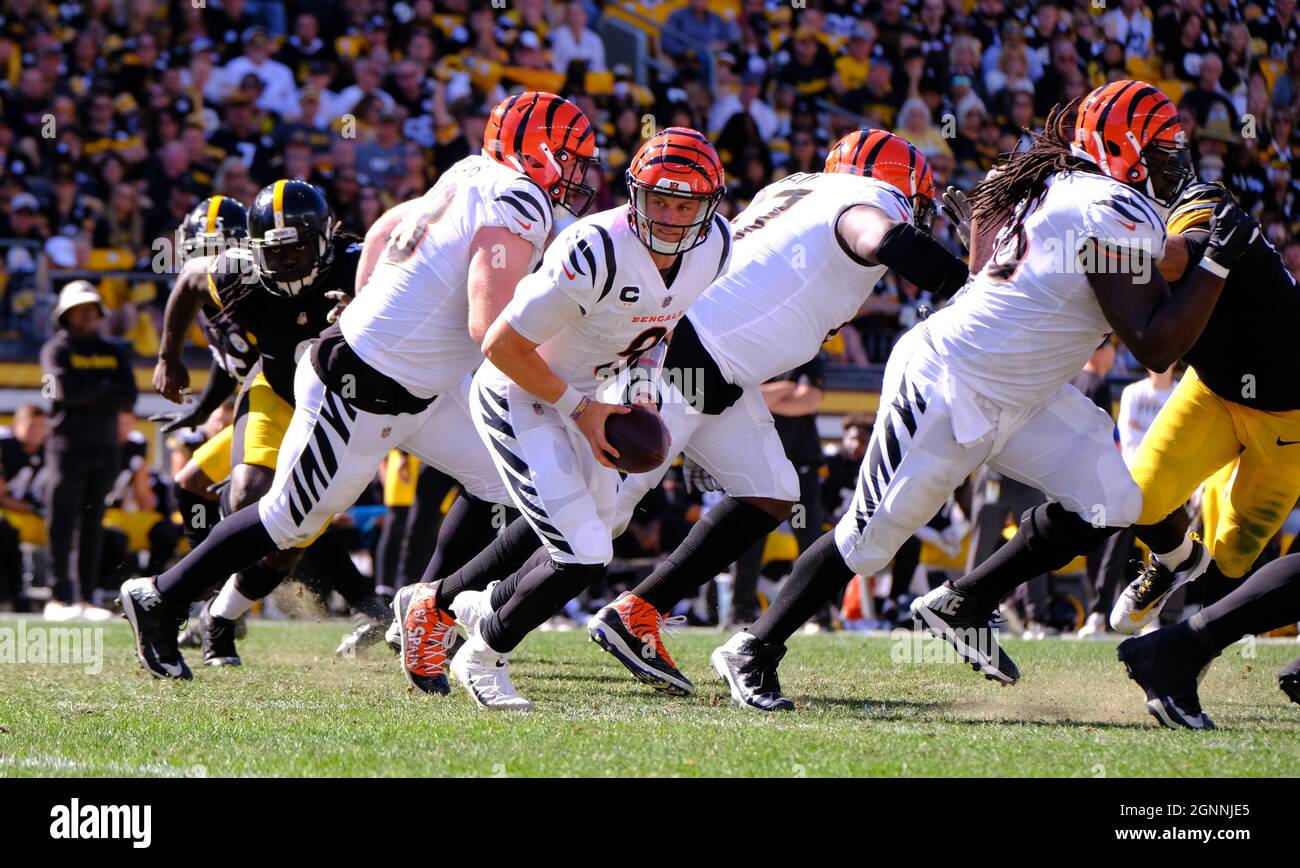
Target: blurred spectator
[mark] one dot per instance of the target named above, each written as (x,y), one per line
(575,41)
(696,27)
(748,100)
(22,457)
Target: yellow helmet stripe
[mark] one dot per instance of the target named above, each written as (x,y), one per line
(278,203)
(214,205)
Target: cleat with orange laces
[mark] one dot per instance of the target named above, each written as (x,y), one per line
(427,635)
(629,629)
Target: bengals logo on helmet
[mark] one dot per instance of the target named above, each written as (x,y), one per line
(677,163)
(550,140)
(1131,132)
(892,159)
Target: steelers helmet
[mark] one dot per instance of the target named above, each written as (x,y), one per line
(215,224)
(290,233)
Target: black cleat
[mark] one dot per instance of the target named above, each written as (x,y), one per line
(970,629)
(1140,603)
(629,629)
(1289,680)
(370,620)
(218,639)
(749,668)
(155,624)
(1167,664)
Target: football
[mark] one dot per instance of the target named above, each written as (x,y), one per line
(640,437)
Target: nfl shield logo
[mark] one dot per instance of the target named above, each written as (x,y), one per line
(384,434)
(537,408)
(668,299)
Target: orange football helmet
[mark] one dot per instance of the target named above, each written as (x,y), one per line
(549,139)
(1130,131)
(678,163)
(892,159)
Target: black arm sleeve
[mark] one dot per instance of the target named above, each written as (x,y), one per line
(919,259)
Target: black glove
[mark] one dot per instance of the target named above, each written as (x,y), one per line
(179,419)
(956,208)
(1232,231)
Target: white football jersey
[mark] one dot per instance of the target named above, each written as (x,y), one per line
(791,280)
(411,320)
(1027,323)
(624,309)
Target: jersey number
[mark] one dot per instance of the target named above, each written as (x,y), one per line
(410,232)
(640,345)
(784,201)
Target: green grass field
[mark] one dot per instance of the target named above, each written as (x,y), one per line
(293,709)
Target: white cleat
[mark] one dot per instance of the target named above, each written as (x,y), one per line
(486,675)
(1094,627)
(472,607)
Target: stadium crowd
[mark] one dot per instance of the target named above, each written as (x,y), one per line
(118,116)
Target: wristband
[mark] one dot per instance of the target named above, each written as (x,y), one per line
(571,403)
(1214,268)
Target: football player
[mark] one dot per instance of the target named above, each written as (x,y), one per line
(610,289)
(399,354)
(1239,404)
(986,379)
(1167,663)
(807,251)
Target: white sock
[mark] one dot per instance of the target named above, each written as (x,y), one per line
(230,604)
(1172,559)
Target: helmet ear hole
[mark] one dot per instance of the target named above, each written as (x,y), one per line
(1113,148)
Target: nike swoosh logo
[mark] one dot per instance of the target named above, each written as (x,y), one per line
(1142,613)
(1281,442)
(170,668)
(526,225)
(1129,226)
(567,273)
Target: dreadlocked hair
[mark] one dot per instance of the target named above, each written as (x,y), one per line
(1023,175)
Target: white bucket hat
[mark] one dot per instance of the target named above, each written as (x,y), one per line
(76,293)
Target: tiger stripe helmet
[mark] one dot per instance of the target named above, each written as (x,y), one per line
(680,163)
(213,225)
(1131,132)
(891,159)
(550,140)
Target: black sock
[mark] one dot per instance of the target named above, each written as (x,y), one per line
(465,531)
(542,592)
(506,554)
(505,589)
(1213,585)
(716,541)
(1050,536)
(331,560)
(817,576)
(1265,601)
(258,580)
(233,544)
(198,515)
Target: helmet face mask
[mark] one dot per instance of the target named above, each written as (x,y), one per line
(670,237)
(675,165)
(1169,172)
(291,234)
(571,190)
(923,212)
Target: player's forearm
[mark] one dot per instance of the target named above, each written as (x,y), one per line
(182,309)
(515,356)
(1176,324)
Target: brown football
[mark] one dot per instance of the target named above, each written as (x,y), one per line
(641,439)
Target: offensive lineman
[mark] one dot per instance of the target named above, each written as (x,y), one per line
(398,355)
(986,379)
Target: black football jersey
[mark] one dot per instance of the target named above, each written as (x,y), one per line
(280,327)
